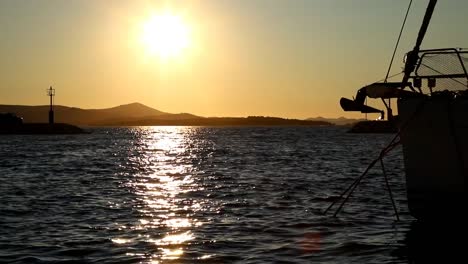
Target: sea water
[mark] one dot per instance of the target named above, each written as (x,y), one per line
(200,195)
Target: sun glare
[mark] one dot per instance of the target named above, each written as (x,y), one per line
(165,35)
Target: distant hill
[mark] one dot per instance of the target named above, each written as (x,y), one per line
(78,116)
(341,121)
(131,110)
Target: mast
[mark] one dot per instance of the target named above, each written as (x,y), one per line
(412,57)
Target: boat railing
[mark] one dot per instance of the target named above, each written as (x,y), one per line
(441,69)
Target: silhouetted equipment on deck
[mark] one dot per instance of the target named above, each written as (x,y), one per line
(51,94)
(352,105)
(384,90)
(387,90)
(446,66)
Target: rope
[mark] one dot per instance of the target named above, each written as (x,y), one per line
(389,77)
(356,182)
(393,143)
(353,186)
(398,40)
(389,190)
(389,107)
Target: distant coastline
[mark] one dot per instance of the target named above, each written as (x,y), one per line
(221,121)
(137,114)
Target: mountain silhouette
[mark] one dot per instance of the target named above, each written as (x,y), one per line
(78,116)
(137,114)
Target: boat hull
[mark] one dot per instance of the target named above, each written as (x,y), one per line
(434,135)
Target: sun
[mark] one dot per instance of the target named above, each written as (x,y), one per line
(165,35)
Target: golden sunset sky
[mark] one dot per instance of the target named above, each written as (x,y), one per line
(292,58)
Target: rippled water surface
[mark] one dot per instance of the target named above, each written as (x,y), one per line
(198,195)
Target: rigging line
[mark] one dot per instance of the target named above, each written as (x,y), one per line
(389,77)
(389,189)
(393,143)
(390,147)
(398,40)
(356,182)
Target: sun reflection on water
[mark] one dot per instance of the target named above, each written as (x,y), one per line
(165,208)
(120,240)
(175,239)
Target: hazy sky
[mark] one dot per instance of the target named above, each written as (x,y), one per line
(288,58)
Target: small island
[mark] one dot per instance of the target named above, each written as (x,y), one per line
(12,124)
(40,128)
